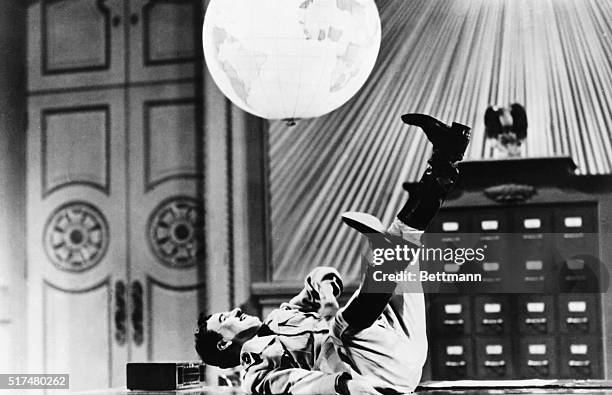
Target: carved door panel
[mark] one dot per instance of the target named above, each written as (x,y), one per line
(75,43)
(166,221)
(77,237)
(165,39)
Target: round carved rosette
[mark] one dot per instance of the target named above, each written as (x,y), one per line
(76,236)
(176,232)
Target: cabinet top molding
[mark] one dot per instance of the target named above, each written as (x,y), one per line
(535,174)
(528,170)
(478,174)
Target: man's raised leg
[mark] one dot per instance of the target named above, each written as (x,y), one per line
(449,144)
(392,352)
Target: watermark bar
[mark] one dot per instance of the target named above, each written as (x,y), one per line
(488,262)
(34,381)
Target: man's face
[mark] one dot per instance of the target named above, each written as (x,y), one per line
(231,323)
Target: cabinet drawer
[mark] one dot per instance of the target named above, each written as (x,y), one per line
(574,228)
(452,359)
(579,313)
(449,230)
(492,229)
(538,357)
(575,219)
(533,220)
(494,358)
(576,249)
(534,263)
(492,315)
(536,314)
(451,222)
(532,246)
(451,315)
(581,273)
(581,357)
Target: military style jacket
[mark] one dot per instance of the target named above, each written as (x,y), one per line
(299,356)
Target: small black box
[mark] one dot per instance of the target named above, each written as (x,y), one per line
(164,376)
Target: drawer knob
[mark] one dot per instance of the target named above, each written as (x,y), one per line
(493,321)
(539,324)
(578,364)
(535,321)
(537,363)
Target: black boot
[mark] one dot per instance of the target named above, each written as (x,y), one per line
(449,145)
(450,141)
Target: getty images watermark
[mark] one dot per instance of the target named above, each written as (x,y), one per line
(411,255)
(490,263)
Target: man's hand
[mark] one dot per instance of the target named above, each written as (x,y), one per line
(360,386)
(329,304)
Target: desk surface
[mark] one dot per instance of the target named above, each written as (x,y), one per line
(564,387)
(471,391)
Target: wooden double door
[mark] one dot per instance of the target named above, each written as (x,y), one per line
(115,230)
(115,217)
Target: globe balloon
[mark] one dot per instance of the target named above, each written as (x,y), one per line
(290,59)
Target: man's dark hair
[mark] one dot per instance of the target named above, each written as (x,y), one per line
(206,347)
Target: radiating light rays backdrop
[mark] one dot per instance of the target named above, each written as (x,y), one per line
(450,59)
